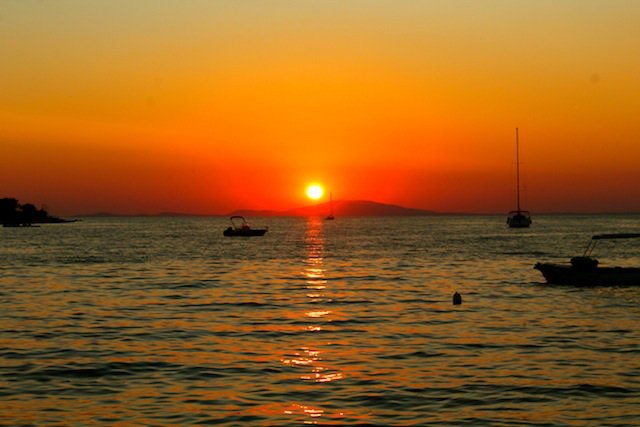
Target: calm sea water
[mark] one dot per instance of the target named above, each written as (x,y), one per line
(165,322)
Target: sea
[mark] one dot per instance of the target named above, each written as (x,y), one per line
(162,321)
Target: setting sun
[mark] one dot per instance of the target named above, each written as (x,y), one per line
(314,191)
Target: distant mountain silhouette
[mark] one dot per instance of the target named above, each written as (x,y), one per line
(341,208)
(143,215)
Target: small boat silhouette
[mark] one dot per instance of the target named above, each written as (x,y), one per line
(330,216)
(586,271)
(518,218)
(240,227)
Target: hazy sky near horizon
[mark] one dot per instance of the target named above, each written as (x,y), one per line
(210,106)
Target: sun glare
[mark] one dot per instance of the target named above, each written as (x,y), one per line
(314,191)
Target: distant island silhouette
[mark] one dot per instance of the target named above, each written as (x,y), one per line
(341,208)
(15,214)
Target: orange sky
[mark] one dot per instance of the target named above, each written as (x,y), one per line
(206,107)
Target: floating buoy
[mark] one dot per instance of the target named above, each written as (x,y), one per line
(457,299)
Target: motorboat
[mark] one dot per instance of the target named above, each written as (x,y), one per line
(518,218)
(586,271)
(240,227)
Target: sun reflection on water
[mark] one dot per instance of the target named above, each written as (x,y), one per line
(309,361)
(317,313)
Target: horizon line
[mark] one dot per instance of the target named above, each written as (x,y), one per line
(431,213)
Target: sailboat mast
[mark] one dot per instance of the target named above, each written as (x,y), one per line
(517,171)
(518,218)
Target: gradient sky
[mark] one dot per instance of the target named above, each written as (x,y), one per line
(210,106)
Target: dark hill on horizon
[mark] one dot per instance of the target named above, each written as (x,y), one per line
(341,208)
(16,214)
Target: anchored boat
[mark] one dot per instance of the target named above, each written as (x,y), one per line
(330,216)
(585,270)
(518,218)
(240,227)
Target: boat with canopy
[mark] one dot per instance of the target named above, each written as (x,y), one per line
(586,271)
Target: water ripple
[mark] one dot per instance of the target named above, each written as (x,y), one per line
(316,323)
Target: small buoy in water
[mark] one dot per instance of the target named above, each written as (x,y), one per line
(457,299)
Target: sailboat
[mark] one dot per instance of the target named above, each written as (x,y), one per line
(330,216)
(518,218)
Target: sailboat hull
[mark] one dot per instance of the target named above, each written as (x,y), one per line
(519,219)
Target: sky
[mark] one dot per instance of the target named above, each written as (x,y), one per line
(210,106)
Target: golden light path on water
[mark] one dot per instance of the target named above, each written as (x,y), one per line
(316,369)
